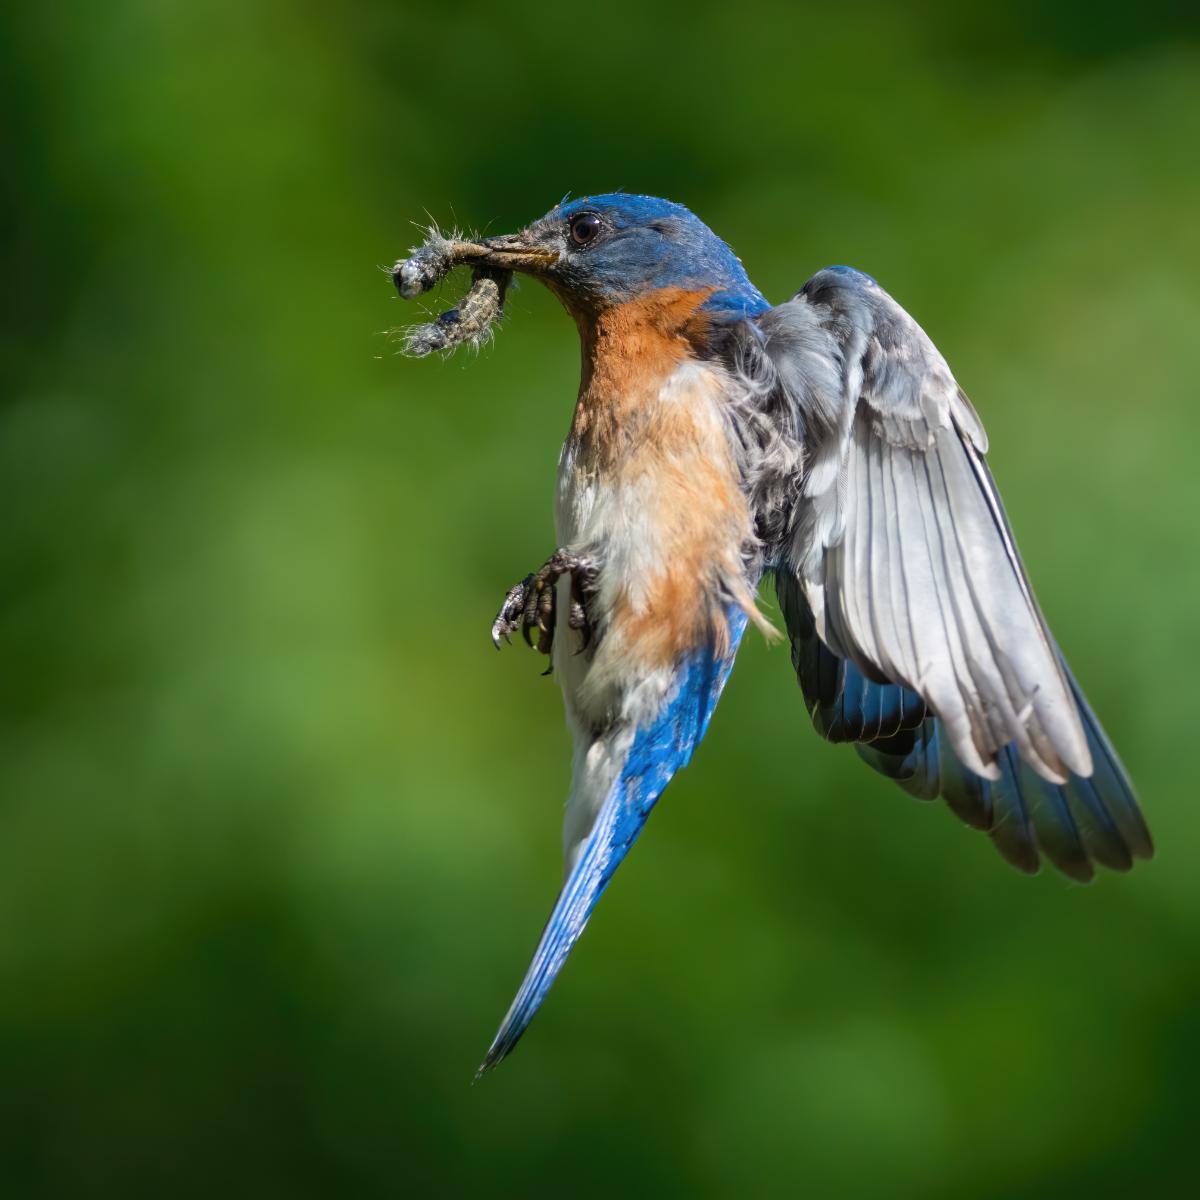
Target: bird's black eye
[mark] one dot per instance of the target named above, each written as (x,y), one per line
(584,227)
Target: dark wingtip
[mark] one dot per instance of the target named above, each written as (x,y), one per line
(1078,873)
(1018,852)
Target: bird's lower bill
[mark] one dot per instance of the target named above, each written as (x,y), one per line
(508,253)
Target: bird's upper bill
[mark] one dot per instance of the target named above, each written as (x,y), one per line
(510,252)
(603,250)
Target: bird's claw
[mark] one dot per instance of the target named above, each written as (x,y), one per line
(531,604)
(508,619)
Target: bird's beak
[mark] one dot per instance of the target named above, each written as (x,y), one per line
(510,252)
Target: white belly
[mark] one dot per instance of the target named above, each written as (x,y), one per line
(667,517)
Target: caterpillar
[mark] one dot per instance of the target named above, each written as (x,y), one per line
(468,322)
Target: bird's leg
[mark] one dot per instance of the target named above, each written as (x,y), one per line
(531,604)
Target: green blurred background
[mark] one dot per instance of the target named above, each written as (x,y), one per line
(280,829)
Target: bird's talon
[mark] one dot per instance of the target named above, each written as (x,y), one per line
(531,604)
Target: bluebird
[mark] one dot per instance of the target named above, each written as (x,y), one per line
(717,438)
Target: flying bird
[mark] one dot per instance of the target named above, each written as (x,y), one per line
(717,438)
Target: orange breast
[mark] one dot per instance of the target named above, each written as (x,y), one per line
(629,351)
(651,433)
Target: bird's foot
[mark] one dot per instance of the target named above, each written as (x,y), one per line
(531,604)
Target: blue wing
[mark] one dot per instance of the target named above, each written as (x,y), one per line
(1076,824)
(915,631)
(658,749)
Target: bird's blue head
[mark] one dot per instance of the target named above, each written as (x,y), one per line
(600,251)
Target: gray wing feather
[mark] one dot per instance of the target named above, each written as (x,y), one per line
(897,535)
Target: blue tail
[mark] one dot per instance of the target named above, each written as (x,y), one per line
(658,750)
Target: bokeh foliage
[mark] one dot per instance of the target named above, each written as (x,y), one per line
(278,826)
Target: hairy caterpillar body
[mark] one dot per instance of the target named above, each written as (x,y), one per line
(470,321)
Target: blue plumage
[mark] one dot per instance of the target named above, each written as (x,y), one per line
(657,751)
(844,704)
(1084,821)
(654,244)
